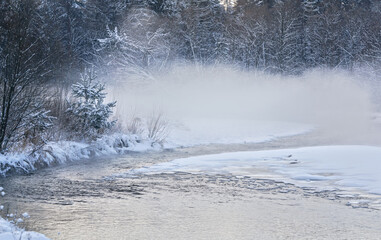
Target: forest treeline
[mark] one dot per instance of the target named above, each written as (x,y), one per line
(46,44)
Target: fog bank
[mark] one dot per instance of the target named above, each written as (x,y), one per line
(333,101)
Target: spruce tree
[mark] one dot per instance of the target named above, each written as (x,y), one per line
(90,113)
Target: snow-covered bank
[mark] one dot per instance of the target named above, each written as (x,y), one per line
(63,151)
(200,131)
(9,231)
(356,167)
(184,134)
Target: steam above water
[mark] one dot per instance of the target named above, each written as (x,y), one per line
(332,101)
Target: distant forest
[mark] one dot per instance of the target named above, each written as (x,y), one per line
(46,44)
(282,36)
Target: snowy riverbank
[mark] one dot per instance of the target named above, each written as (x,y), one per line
(186,134)
(63,151)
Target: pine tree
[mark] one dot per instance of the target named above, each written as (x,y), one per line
(91,115)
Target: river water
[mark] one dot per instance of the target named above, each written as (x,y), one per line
(79,201)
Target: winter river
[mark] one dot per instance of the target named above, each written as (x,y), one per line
(82,200)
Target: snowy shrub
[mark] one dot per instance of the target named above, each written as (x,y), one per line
(157,128)
(135,126)
(89,116)
(35,134)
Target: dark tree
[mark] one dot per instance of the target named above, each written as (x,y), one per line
(21,73)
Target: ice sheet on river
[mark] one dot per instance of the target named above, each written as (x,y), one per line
(355,167)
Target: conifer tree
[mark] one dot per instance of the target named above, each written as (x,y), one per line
(91,115)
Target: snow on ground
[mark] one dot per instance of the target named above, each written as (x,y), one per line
(225,131)
(63,151)
(355,167)
(9,231)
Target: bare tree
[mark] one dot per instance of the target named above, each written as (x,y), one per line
(21,93)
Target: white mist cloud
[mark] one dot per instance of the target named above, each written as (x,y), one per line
(331,100)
